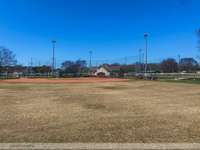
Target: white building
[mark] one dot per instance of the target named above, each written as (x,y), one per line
(107,70)
(102,71)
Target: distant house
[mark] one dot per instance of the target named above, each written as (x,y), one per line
(102,71)
(107,70)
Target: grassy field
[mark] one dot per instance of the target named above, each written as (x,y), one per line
(137,111)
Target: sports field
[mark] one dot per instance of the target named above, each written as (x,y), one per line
(103,111)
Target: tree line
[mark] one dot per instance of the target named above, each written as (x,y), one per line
(8,63)
(170,65)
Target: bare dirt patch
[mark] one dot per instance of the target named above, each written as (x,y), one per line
(62,80)
(143,111)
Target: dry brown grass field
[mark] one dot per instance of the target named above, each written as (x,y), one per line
(129,111)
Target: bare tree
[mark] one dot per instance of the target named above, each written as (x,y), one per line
(74,67)
(7,57)
(188,64)
(169,65)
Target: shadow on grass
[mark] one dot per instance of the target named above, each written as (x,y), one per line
(95,106)
(117,87)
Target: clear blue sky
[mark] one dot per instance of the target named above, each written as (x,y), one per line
(110,28)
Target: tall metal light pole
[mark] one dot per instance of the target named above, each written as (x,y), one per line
(90,65)
(53,58)
(31,70)
(140,60)
(146,47)
(179,61)
(143,61)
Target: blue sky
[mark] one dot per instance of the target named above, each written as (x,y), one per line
(112,29)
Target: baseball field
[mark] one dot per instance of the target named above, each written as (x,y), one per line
(98,110)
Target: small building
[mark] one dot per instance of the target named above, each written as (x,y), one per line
(108,70)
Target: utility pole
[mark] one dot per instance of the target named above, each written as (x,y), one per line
(146,47)
(53,58)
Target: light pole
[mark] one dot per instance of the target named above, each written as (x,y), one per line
(90,64)
(146,56)
(31,70)
(179,62)
(53,58)
(140,61)
(143,62)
